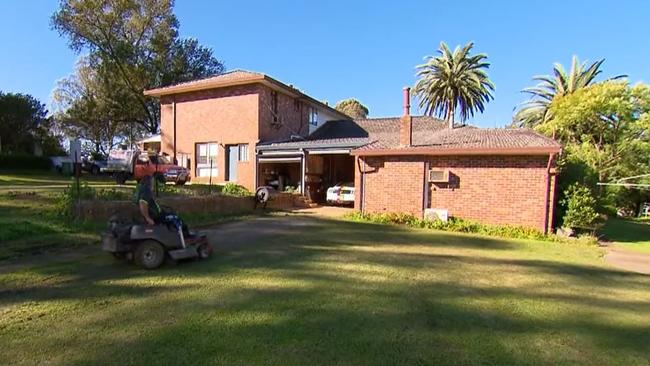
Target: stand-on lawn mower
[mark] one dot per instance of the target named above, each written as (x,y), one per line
(149,245)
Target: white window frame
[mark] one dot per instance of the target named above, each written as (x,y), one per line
(203,169)
(242,154)
(313,116)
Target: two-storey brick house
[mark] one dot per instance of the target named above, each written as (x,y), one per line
(213,125)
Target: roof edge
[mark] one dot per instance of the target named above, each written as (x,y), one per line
(254,78)
(459,151)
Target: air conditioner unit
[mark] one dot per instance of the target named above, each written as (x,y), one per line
(433,214)
(438,176)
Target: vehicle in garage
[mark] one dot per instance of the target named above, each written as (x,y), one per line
(341,194)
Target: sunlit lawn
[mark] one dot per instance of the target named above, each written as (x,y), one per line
(324,292)
(630,234)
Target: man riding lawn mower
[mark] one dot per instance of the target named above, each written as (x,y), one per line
(162,235)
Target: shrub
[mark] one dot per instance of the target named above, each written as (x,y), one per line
(454,225)
(24,162)
(232,189)
(580,207)
(77,190)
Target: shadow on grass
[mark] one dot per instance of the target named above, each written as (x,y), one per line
(316,291)
(626,231)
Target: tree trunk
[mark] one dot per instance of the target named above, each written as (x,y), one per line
(450,116)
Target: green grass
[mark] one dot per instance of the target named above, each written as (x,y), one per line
(324,292)
(628,233)
(45,178)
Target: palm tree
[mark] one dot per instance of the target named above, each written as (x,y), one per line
(454,82)
(536,110)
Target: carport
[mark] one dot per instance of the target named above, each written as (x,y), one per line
(314,163)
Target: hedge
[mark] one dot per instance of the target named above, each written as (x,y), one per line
(24,162)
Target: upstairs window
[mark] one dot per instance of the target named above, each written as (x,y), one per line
(274,105)
(313,116)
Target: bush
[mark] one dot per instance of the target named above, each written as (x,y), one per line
(24,162)
(454,225)
(232,189)
(581,207)
(82,191)
(77,190)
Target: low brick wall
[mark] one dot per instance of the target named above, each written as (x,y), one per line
(217,204)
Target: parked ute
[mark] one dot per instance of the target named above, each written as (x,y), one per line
(134,164)
(93,165)
(341,193)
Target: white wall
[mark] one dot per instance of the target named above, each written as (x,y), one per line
(324,115)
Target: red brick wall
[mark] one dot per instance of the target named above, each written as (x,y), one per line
(292,116)
(393,184)
(489,189)
(226,116)
(233,115)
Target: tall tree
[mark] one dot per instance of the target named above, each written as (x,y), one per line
(352,108)
(605,125)
(536,110)
(85,107)
(24,124)
(454,82)
(136,43)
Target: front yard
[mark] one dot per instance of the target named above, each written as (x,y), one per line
(633,234)
(297,290)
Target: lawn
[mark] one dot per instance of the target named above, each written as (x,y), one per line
(633,234)
(309,291)
(36,178)
(31,223)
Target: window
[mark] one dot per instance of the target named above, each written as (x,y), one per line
(183,160)
(206,159)
(313,116)
(243,152)
(274,105)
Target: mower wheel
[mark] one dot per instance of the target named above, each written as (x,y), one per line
(149,255)
(204,250)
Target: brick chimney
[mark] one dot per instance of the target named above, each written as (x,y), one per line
(406,121)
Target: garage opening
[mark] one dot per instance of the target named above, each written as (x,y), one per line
(283,174)
(327,170)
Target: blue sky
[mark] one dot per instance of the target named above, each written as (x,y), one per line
(338,49)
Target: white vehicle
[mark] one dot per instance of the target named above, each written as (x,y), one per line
(341,193)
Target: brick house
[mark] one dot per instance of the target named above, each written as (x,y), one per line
(258,131)
(211,126)
(496,176)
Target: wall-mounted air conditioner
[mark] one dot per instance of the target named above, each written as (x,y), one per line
(438,176)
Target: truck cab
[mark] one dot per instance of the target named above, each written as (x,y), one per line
(134,164)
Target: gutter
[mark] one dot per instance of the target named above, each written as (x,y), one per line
(549,207)
(459,151)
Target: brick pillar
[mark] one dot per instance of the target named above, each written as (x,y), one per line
(406,131)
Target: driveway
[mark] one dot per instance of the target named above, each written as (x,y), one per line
(238,233)
(629,260)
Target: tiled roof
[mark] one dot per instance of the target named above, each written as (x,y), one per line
(429,134)
(386,130)
(225,78)
(465,139)
(238,77)
(332,134)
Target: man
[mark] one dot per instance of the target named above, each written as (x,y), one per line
(149,208)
